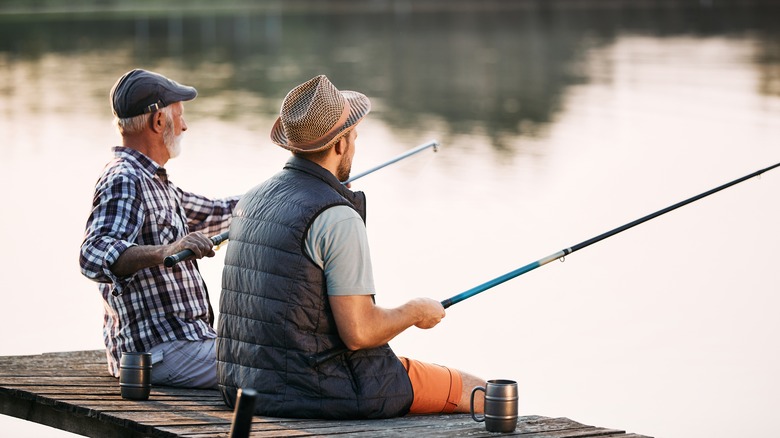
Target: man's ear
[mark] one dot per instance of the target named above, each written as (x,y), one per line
(157,121)
(340,146)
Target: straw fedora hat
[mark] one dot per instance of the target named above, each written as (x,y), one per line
(315,113)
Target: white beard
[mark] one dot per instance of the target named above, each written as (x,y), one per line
(172,143)
(174,146)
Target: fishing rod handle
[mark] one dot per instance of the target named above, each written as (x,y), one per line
(181,255)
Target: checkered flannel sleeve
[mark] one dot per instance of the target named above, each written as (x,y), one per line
(112,227)
(209,216)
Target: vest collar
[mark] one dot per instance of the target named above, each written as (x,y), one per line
(357,199)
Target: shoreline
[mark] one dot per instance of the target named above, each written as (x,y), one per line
(53,8)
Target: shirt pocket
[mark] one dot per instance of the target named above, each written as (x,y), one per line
(168,225)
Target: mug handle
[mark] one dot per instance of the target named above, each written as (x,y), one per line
(474,391)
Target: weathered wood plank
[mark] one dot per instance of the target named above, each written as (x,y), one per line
(91,371)
(81,381)
(154,406)
(172,418)
(74,391)
(60,360)
(463,425)
(428,426)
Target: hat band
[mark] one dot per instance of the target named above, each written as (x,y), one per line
(328,136)
(154,107)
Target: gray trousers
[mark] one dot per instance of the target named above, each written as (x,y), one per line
(186,364)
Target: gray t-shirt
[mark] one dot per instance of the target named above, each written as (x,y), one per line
(338,243)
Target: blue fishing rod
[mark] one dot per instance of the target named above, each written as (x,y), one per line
(543,261)
(219,238)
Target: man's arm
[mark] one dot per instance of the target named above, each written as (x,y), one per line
(138,257)
(363,324)
(108,253)
(338,244)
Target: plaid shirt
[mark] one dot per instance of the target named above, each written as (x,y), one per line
(136,204)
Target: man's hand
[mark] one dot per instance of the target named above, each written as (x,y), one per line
(139,257)
(199,244)
(431,312)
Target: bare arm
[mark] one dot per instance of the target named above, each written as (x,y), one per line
(363,324)
(135,258)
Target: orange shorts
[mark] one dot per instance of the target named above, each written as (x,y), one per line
(437,389)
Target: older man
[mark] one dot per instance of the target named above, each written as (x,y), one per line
(298,319)
(138,218)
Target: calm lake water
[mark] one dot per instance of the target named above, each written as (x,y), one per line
(556,124)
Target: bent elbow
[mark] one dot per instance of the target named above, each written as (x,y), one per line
(357,341)
(353,344)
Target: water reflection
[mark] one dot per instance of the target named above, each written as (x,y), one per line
(499,71)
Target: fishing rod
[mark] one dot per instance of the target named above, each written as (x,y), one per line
(219,238)
(543,261)
(433,143)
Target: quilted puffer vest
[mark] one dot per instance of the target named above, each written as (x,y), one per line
(276,330)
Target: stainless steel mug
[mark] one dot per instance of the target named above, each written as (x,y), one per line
(135,374)
(500,405)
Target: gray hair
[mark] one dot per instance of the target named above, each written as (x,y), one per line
(136,124)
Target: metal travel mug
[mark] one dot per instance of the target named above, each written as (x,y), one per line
(135,374)
(500,405)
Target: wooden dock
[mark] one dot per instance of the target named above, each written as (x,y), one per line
(73,392)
